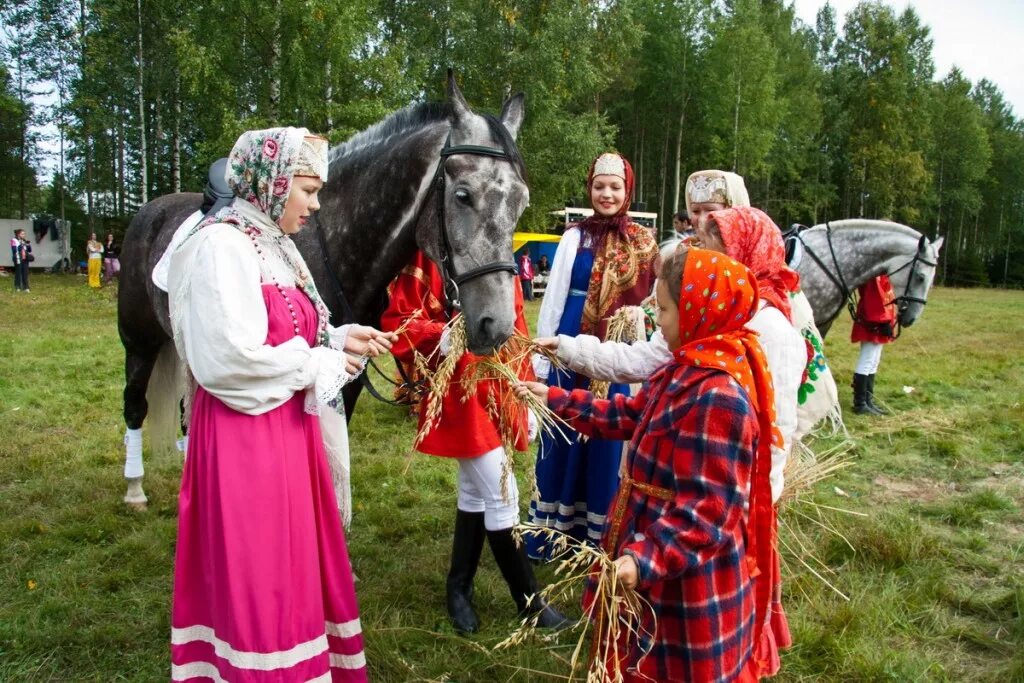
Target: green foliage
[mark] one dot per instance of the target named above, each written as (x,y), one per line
(823,123)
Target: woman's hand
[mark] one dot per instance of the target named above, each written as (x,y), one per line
(353,364)
(524,389)
(549,343)
(626,571)
(363,340)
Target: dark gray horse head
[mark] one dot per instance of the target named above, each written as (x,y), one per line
(483,197)
(912,280)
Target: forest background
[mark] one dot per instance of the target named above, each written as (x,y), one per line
(144,94)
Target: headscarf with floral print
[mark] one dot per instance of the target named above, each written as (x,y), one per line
(625,253)
(753,239)
(717,297)
(261,167)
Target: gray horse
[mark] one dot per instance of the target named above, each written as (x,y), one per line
(836,258)
(437,176)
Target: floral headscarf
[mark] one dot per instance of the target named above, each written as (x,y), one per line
(260,170)
(753,239)
(719,187)
(717,297)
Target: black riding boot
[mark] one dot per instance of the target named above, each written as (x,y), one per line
(518,572)
(466,547)
(879,410)
(861,403)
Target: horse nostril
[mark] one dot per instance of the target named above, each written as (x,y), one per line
(486,327)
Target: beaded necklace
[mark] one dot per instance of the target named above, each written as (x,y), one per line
(301,281)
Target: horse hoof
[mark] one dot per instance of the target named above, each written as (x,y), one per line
(135,497)
(137,507)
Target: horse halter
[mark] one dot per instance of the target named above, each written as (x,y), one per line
(452,279)
(848,299)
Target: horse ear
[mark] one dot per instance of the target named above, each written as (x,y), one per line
(937,244)
(460,110)
(512,113)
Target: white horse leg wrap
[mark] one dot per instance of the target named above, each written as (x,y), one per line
(133,453)
(182,444)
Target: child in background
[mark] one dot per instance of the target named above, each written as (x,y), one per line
(701,431)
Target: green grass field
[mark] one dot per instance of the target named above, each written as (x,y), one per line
(933,566)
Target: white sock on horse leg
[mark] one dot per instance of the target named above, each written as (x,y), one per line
(133,453)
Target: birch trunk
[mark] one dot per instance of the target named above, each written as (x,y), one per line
(143,170)
(176,139)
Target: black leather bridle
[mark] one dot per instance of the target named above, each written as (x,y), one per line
(452,279)
(849,297)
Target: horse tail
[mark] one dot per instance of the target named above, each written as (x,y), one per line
(164,394)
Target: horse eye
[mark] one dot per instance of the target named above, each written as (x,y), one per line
(463,197)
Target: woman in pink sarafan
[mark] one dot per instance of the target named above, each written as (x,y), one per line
(262,581)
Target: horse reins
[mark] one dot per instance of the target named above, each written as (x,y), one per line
(849,298)
(452,279)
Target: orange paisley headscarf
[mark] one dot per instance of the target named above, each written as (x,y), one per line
(717,297)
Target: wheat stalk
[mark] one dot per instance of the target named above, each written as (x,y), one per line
(621,328)
(620,615)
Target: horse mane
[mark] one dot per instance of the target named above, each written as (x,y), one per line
(869,224)
(418,115)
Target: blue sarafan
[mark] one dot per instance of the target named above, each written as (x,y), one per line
(435,175)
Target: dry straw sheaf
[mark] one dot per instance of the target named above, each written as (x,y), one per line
(624,622)
(503,370)
(805,470)
(622,327)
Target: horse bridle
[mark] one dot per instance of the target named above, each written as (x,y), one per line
(848,299)
(453,279)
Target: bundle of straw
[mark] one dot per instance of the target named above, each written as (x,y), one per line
(623,620)
(503,371)
(622,327)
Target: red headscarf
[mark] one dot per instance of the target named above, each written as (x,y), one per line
(717,297)
(598,225)
(753,239)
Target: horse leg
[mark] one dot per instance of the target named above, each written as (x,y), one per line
(137,368)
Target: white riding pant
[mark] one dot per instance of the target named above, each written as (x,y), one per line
(870,357)
(480,490)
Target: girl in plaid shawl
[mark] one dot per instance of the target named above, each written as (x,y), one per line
(701,431)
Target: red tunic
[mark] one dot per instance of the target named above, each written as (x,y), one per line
(464,430)
(877,305)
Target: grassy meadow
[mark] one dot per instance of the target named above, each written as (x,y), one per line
(932,564)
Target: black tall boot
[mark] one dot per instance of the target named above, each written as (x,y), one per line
(518,572)
(466,547)
(861,404)
(878,410)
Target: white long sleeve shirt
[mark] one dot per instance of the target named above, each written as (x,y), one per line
(783,346)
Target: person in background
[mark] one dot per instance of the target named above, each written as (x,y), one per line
(713,190)
(111,264)
(873,327)
(94,249)
(526,274)
(604,263)
(21,254)
(487,504)
(543,267)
